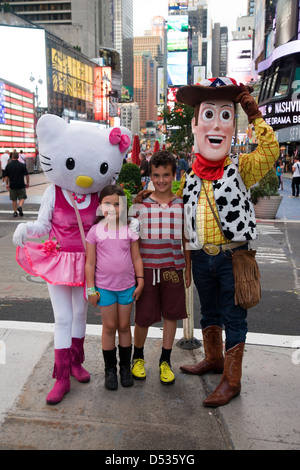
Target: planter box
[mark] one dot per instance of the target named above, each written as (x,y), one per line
(267,207)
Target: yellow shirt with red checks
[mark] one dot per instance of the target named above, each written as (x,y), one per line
(252,167)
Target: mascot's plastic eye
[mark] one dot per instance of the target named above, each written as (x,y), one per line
(103,168)
(70,163)
(226,115)
(208,115)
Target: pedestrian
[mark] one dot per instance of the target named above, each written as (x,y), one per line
(182,166)
(220,220)
(296,177)
(279,173)
(15,172)
(144,169)
(4,160)
(67,212)
(22,157)
(115,278)
(161,224)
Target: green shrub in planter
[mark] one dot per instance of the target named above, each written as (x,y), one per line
(266,187)
(130,178)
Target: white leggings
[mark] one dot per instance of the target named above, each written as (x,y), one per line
(70,310)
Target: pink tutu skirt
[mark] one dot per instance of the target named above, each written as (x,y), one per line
(54,266)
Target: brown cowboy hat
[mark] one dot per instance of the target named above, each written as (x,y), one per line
(223,88)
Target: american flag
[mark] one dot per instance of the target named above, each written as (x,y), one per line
(16,119)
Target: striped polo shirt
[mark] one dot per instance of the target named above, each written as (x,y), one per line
(161,233)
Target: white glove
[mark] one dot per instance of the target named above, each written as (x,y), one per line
(20,235)
(134,225)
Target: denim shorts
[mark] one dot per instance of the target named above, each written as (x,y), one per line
(109,297)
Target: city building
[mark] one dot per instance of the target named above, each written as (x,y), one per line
(145,70)
(219,50)
(278,64)
(130,117)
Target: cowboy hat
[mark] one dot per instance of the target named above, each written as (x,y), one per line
(223,88)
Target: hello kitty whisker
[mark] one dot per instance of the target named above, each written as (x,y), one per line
(44,156)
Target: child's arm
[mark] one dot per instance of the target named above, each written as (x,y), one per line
(90,265)
(187,256)
(138,268)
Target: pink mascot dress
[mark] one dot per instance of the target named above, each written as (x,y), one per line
(79,160)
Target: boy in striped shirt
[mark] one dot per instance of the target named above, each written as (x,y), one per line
(161,229)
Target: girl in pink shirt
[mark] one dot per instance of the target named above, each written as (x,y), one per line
(115,278)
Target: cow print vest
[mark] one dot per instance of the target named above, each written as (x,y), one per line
(235,209)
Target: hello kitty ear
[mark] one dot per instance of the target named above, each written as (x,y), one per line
(116,137)
(49,125)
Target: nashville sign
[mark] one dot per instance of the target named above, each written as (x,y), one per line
(281,113)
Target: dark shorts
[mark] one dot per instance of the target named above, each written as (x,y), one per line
(164,299)
(17,194)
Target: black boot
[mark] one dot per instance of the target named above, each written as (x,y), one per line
(125,372)
(110,360)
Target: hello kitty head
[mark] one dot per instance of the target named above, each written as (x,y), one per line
(80,157)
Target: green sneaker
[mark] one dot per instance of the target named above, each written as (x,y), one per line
(167,376)
(138,369)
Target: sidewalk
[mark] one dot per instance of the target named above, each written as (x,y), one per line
(147,416)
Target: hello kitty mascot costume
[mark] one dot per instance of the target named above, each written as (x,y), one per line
(79,160)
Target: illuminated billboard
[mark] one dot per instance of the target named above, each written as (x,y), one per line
(16,119)
(179,5)
(102,87)
(23,55)
(240,60)
(70,76)
(177,50)
(177,33)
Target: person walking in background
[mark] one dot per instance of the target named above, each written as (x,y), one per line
(296,177)
(4,160)
(115,278)
(279,173)
(144,169)
(15,173)
(22,157)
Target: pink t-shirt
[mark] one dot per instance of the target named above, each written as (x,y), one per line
(114,267)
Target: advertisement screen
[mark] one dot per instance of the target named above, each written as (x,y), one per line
(16,119)
(240,60)
(177,33)
(23,55)
(177,68)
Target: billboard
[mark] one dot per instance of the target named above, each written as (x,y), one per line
(177,50)
(16,119)
(239,64)
(23,55)
(102,88)
(70,76)
(179,5)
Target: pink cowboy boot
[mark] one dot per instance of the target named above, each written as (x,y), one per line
(62,370)
(77,358)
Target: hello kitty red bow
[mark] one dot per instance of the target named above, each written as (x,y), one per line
(116,137)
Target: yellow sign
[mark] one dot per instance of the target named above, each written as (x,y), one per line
(71,77)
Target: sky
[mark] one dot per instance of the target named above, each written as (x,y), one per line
(223,11)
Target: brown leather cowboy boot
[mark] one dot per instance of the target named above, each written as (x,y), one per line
(213,349)
(230,385)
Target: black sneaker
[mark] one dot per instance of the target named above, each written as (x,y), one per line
(20,210)
(15,214)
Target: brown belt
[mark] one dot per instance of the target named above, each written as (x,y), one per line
(214,250)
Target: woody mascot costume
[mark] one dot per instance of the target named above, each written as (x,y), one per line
(219,219)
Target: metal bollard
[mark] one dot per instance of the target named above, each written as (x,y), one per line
(188,341)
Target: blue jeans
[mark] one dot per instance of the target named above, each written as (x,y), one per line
(213,278)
